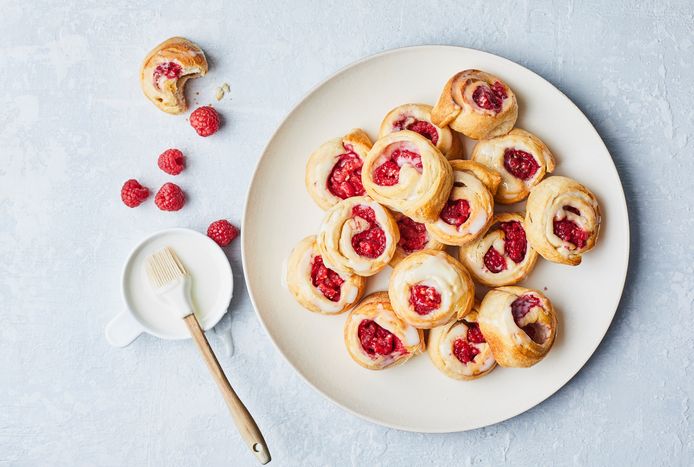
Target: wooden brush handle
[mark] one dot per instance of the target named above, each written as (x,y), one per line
(244,421)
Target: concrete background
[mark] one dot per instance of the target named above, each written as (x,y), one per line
(74,126)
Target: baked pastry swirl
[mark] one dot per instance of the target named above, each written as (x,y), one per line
(417,118)
(562,220)
(477,104)
(460,350)
(333,171)
(413,237)
(358,236)
(519,324)
(376,338)
(167,68)
(317,287)
(502,256)
(404,171)
(470,206)
(430,288)
(520,157)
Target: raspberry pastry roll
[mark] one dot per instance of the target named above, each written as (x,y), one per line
(477,104)
(358,236)
(519,324)
(470,206)
(417,118)
(167,68)
(376,338)
(407,173)
(413,237)
(430,288)
(317,287)
(460,350)
(502,256)
(333,171)
(562,219)
(520,157)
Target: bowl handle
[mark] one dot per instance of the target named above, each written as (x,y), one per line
(122,329)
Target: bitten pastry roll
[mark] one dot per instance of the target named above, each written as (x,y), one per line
(413,237)
(477,104)
(502,256)
(405,172)
(167,68)
(562,220)
(376,338)
(417,118)
(358,236)
(469,209)
(460,350)
(430,288)
(519,324)
(520,157)
(317,287)
(333,171)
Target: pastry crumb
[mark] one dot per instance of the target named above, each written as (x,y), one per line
(221,91)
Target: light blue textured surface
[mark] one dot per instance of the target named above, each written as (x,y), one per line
(74,126)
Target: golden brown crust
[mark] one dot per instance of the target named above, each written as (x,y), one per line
(321,162)
(310,297)
(547,202)
(511,345)
(419,196)
(457,109)
(491,152)
(472,255)
(440,343)
(376,307)
(167,93)
(402,116)
(338,228)
(472,183)
(440,271)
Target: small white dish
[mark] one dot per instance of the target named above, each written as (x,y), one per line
(212,288)
(416,396)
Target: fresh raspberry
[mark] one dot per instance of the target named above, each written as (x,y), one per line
(172,161)
(223,232)
(205,120)
(133,194)
(170,197)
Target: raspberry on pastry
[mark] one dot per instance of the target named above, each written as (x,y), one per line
(333,171)
(521,159)
(417,118)
(460,350)
(376,338)
(414,237)
(477,104)
(166,69)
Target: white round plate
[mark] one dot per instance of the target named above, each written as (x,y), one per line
(416,396)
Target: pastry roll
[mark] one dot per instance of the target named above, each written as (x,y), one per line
(519,324)
(417,118)
(358,236)
(430,288)
(470,206)
(477,104)
(167,68)
(562,220)
(376,338)
(520,157)
(460,350)
(413,237)
(317,287)
(404,171)
(333,171)
(502,256)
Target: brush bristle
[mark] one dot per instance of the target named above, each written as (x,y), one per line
(164,267)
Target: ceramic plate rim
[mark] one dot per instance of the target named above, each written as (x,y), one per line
(627,233)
